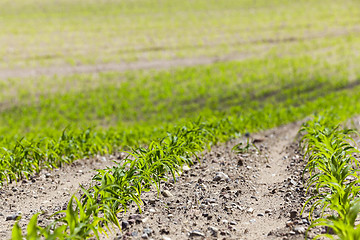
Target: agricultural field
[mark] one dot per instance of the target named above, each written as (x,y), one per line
(169,119)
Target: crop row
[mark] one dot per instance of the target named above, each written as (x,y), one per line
(29,155)
(95,212)
(334,180)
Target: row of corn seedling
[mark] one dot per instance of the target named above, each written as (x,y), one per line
(333,179)
(95,211)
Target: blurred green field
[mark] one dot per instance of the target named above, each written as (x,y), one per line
(71,32)
(298,57)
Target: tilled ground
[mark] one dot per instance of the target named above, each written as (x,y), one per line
(253,195)
(46,192)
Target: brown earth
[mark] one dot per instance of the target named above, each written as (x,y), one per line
(253,195)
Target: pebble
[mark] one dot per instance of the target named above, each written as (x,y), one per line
(165,238)
(220,176)
(252,220)
(167,193)
(144,236)
(12,217)
(233,223)
(225,221)
(305,221)
(196,233)
(135,216)
(260,214)
(186,168)
(293,214)
(148,231)
(299,229)
(210,200)
(152,210)
(250,210)
(214,231)
(152,201)
(124,224)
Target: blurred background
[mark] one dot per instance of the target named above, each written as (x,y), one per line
(145,65)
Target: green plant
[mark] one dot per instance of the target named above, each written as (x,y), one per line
(333,176)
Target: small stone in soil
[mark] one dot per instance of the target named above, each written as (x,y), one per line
(135,216)
(250,210)
(293,214)
(124,224)
(186,168)
(252,220)
(221,176)
(144,236)
(304,221)
(299,229)
(12,217)
(196,233)
(148,231)
(260,214)
(166,193)
(233,223)
(214,231)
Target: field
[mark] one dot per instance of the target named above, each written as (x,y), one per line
(119,96)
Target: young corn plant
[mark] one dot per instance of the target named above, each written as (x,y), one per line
(333,177)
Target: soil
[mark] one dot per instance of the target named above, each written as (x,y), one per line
(257,194)
(119,67)
(48,191)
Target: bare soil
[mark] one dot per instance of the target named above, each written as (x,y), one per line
(261,198)
(48,191)
(118,67)
(253,195)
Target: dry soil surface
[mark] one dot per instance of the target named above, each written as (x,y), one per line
(253,195)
